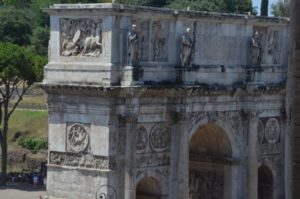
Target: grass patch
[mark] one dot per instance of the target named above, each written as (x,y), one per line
(40,100)
(28,123)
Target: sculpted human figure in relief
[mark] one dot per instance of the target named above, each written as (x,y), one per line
(186,48)
(256,48)
(133,46)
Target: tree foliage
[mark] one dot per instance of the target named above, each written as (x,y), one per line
(15,26)
(281,9)
(17,74)
(264,8)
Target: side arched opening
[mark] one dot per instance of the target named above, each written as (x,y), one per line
(148,188)
(265,183)
(210,158)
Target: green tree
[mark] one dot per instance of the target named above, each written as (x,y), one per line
(264,7)
(15,26)
(17,74)
(199,5)
(154,3)
(40,39)
(280,9)
(16,3)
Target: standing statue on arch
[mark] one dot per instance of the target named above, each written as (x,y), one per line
(133,46)
(186,48)
(256,47)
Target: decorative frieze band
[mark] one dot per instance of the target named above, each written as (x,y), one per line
(84,161)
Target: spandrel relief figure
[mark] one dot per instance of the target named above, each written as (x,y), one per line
(186,48)
(133,46)
(81,37)
(256,46)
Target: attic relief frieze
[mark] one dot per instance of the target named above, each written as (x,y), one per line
(81,37)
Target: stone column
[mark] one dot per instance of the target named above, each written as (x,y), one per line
(252,155)
(183,161)
(129,164)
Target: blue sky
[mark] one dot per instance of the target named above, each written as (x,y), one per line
(256,4)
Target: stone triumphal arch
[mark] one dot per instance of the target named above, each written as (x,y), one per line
(150,103)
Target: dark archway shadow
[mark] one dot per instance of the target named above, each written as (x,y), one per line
(210,153)
(265,183)
(148,188)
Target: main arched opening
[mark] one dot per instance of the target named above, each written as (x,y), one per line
(265,183)
(210,156)
(148,188)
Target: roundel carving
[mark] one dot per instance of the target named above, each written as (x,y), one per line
(159,138)
(106,192)
(77,138)
(260,132)
(141,140)
(272,130)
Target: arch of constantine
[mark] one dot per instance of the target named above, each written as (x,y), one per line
(150,103)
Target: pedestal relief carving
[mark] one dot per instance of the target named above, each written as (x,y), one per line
(83,161)
(272,130)
(141,140)
(159,137)
(81,37)
(77,137)
(106,192)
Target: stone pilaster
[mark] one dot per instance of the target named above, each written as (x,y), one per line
(252,154)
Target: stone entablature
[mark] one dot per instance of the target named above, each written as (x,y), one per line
(170,46)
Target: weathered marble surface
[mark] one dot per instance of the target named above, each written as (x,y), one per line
(115,128)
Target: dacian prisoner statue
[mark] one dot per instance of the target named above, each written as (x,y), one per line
(133,46)
(186,48)
(256,49)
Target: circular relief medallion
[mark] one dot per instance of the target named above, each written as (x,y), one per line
(272,130)
(159,138)
(141,140)
(106,192)
(77,138)
(260,132)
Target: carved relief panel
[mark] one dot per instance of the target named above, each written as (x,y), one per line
(80,37)
(152,145)
(268,133)
(78,137)
(106,192)
(84,161)
(273,47)
(159,41)
(206,184)
(143,29)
